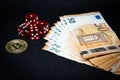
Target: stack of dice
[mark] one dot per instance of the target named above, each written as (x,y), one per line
(33,27)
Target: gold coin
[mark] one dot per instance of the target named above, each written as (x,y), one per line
(16,46)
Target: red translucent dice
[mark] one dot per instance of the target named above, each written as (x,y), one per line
(23,30)
(33,27)
(34,33)
(43,27)
(31,17)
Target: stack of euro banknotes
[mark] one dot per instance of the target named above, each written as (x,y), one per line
(85,38)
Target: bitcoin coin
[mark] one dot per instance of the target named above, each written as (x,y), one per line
(16,46)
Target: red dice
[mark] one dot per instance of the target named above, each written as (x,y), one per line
(34,33)
(23,30)
(33,27)
(31,17)
(43,27)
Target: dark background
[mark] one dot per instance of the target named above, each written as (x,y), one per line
(35,64)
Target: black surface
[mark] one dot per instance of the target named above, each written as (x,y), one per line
(37,64)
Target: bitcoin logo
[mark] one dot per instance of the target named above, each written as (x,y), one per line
(16,46)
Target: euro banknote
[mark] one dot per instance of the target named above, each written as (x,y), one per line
(85,38)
